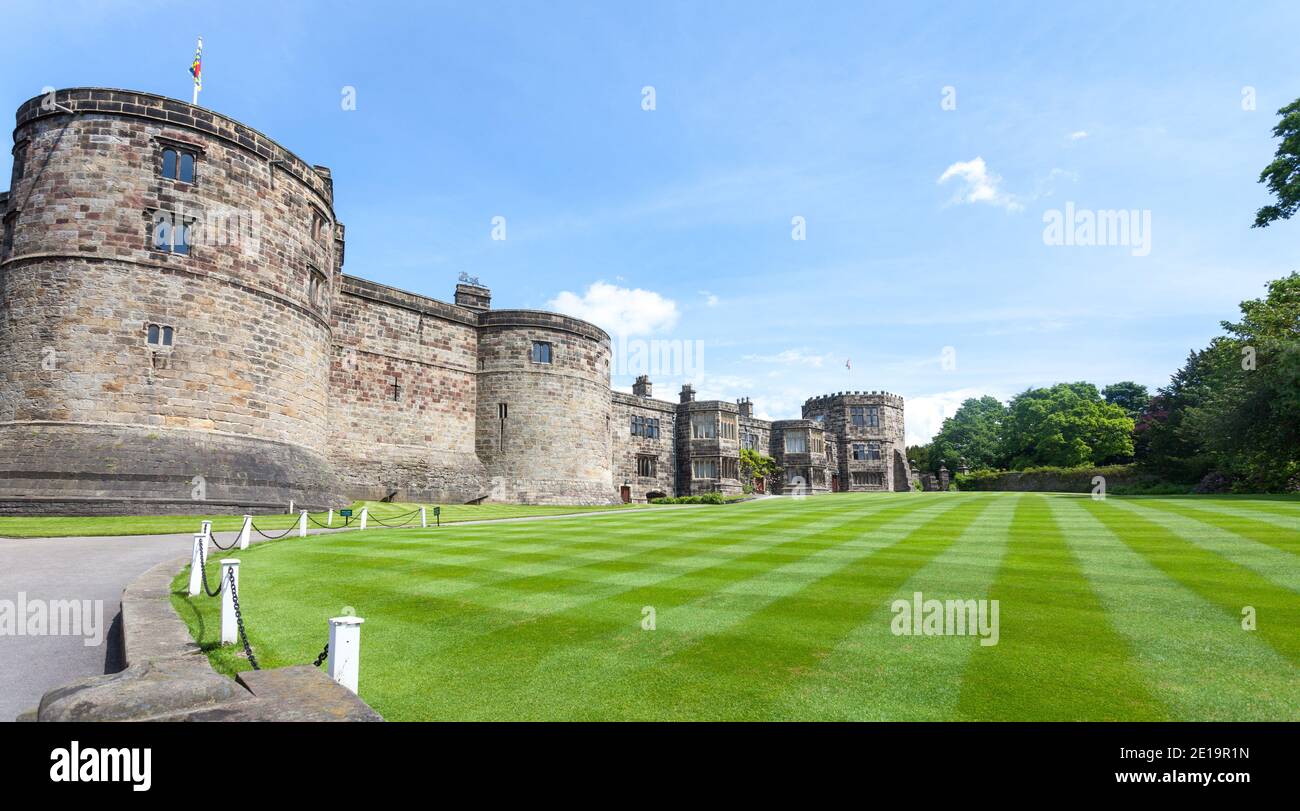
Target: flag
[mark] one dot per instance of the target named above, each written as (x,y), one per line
(197,68)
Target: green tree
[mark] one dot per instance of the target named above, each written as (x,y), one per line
(1248,418)
(1066,425)
(973,433)
(754,465)
(1130,396)
(1283,174)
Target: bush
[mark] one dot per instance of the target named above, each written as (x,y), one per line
(705,498)
(1120,480)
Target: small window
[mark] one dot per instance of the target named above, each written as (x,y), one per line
(796,443)
(653,428)
(178,165)
(857,415)
(873,451)
(20,163)
(859,452)
(636,425)
(169,236)
(541,352)
(317,225)
(503,410)
(645,466)
(873,417)
(316,287)
(704,468)
(159,336)
(7,245)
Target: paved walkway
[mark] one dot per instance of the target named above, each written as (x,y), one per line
(98,569)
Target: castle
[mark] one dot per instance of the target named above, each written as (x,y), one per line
(176,326)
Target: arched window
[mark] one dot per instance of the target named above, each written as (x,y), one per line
(169,163)
(186,174)
(159,336)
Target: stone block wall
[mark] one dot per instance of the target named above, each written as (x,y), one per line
(415,442)
(834,412)
(627,448)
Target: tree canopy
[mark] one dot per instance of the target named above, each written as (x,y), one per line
(1066,425)
(1283,174)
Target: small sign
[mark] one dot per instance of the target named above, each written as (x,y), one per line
(345,513)
(437,511)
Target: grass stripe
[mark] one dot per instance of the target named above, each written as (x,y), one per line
(1214,578)
(1058,658)
(1179,640)
(514,664)
(1264,560)
(778,641)
(873,675)
(1277,535)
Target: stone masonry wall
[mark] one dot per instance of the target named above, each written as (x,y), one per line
(627,447)
(83,280)
(543,429)
(419,441)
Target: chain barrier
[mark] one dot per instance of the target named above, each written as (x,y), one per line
(233,543)
(203,568)
(317,523)
(239,620)
(407,516)
(274,537)
(322,656)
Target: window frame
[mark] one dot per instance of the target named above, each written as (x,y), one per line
(550,353)
(166,334)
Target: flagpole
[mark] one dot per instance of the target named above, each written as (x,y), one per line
(198,76)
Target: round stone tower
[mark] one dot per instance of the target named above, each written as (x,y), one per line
(165,287)
(867,429)
(543,429)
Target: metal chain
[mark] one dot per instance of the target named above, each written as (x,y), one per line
(396,526)
(203,567)
(321,657)
(233,543)
(239,620)
(275,537)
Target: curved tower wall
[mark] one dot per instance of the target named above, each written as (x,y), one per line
(543,429)
(93,418)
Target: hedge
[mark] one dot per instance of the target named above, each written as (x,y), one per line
(1120,480)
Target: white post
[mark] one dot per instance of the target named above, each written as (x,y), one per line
(245,533)
(345,651)
(290,506)
(424,518)
(365,513)
(329,519)
(229,628)
(206,528)
(196,564)
(302,524)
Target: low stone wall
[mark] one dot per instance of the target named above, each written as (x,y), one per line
(168,678)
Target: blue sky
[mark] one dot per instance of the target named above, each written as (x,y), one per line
(676,223)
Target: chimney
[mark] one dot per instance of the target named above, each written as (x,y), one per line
(746,407)
(473,296)
(688,393)
(642,387)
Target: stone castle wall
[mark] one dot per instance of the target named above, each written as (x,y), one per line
(279,381)
(543,429)
(627,448)
(81,281)
(415,442)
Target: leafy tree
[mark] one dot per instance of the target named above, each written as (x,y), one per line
(973,433)
(919,454)
(1066,425)
(754,465)
(1130,396)
(1283,174)
(1248,417)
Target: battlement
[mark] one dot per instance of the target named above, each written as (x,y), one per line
(848,398)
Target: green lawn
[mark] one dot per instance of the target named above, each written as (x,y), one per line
(1128,608)
(55,527)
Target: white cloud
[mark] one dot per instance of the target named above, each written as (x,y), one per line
(710,300)
(790,357)
(923,416)
(1078,136)
(979,185)
(621,311)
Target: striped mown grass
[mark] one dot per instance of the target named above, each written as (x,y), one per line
(1128,608)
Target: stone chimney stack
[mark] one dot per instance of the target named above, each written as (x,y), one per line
(473,296)
(746,407)
(688,393)
(642,387)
